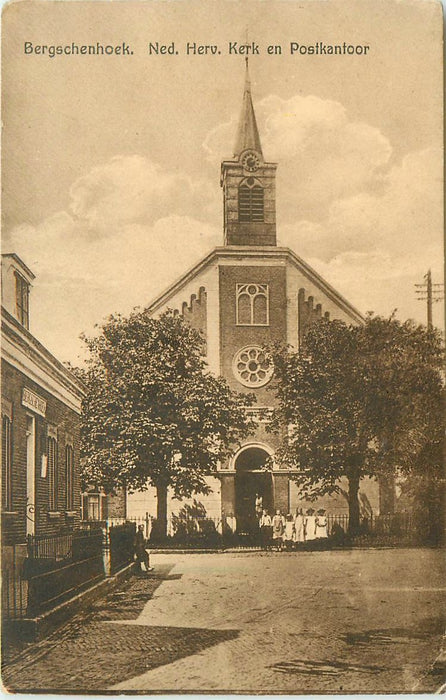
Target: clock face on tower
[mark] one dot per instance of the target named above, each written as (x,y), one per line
(250,161)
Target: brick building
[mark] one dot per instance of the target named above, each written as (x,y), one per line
(41,404)
(243,295)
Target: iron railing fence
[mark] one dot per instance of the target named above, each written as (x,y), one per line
(202,527)
(65,546)
(14,585)
(47,570)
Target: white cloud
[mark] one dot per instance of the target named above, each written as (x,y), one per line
(129,189)
(405,218)
(322,154)
(373,247)
(131,230)
(370,226)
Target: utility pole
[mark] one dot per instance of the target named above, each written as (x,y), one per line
(430,293)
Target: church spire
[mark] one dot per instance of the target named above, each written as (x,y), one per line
(248,182)
(248,134)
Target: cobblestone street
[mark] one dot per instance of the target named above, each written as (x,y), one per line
(357,621)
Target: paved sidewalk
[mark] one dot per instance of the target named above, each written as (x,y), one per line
(359,621)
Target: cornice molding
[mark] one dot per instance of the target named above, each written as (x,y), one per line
(22,351)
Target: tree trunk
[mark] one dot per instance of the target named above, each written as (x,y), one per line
(353,502)
(161,510)
(386,486)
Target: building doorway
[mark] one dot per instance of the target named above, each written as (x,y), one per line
(251,478)
(30,474)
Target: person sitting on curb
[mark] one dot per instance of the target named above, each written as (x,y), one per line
(142,555)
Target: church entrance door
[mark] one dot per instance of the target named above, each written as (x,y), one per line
(251,479)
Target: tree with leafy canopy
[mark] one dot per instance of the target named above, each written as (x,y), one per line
(152,414)
(359,401)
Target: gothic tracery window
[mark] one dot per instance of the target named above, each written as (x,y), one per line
(252,305)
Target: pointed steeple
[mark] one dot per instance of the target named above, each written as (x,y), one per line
(248,182)
(248,133)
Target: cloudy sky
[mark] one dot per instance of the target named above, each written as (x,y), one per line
(111,163)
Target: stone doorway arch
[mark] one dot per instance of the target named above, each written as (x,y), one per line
(251,478)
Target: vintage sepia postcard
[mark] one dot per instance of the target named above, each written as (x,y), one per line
(223,347)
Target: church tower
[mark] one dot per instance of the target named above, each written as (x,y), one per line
(244,296)
(249,187)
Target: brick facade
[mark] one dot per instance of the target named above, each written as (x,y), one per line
(291,296)
(41,404)
(66,422)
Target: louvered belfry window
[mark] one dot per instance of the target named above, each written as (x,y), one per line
(250,201)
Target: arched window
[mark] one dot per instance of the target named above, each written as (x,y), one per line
(250,201)
(252,305)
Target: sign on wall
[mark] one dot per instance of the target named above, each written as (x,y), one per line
(34,402)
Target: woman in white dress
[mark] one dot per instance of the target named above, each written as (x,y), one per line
(321,524)
(299,526)
(310,525)
(278,524)
(289,531)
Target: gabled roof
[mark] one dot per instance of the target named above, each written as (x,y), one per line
(266,253)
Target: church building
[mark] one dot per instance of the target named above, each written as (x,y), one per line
(246,294)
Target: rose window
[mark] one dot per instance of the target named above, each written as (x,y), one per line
(252,367)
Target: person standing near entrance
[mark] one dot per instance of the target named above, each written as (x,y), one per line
(321,524)
(310,525)
(259,506)
(299,526)
(278,529)
(289,531)
(265,529)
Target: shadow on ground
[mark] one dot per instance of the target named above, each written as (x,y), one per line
(103,656)
(125,604)
(90,656)
(426,629)
(129,601)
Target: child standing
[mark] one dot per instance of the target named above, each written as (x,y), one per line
(278,529)
(289,531)
(299,530)
(310,525)
(321,524)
